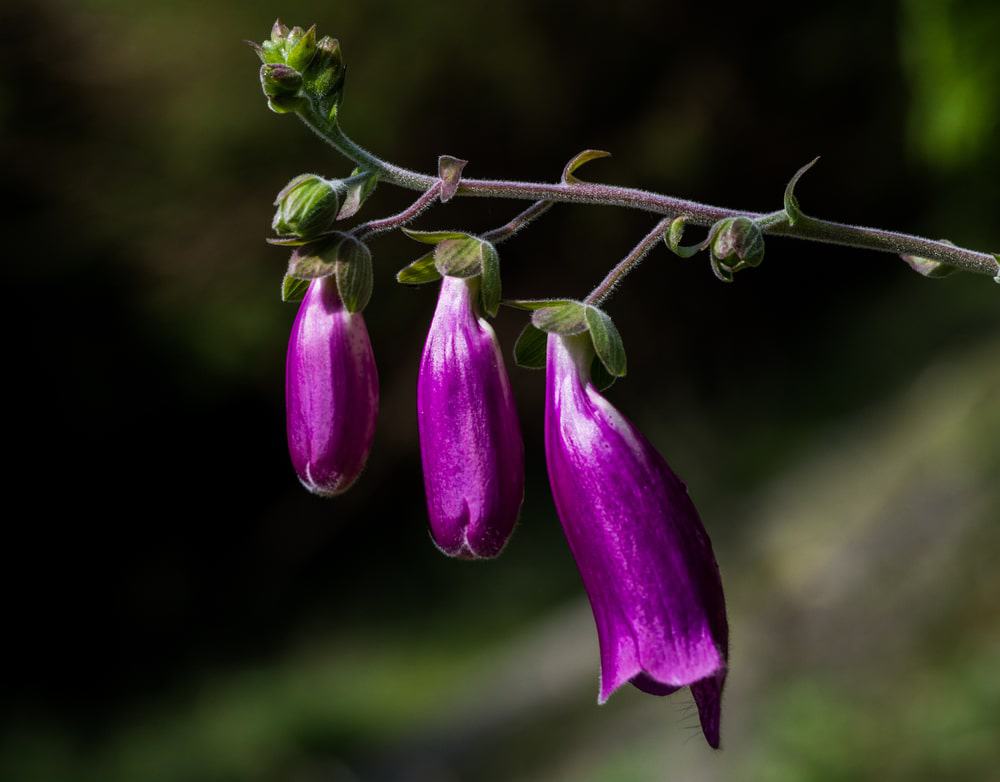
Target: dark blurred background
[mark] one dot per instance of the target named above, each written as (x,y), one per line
(178,609)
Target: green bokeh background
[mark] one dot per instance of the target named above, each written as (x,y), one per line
(177,608)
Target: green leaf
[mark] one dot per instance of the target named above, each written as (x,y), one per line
(450,172)
(607,341)
(530,348)
(599,375)
(997,257)
(489,290)
(534,304)
(433,237)
(564,319)
(460,257)
(357,193)
(674,236)
(354,274)
(313,260)
(292,289)
(791,202)
(584,157)
(288,241)
(420,271)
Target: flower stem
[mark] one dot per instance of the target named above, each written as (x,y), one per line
(505,232)
(607,286)
(808,228)
(412,212)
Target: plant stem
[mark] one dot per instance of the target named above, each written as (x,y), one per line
(505,232)
(808,228)
(412,212)
(607,286)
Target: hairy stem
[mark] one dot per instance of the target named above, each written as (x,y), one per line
(505,232)
(412,212)
(607,286)
(808,228)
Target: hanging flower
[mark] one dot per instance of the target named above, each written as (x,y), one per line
(646,561)
(331,391)
(470,439)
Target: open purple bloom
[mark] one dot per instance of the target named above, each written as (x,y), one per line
(646,561)
(470,439)
(331,391)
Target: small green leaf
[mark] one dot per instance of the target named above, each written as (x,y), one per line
(433,237)
(530,348)
(534,304)
(607,341)
(599,375)
(450,172)
(584,157)
(460,257)
(357,193)
(313,260)
(292,289)
(564,319)
(489,290)
(997,257)
(354,274)
(420,271)
(674,236)
(791,202)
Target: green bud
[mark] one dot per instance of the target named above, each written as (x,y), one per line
(325,74)
(278,31)
(278,80)
(307,206)
(301,53)
(737,242)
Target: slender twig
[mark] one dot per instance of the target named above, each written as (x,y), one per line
(607,286)
(809,228)
(505,232)
(412,212)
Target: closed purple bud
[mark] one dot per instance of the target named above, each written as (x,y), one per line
(645,559)
(470,439)
(331,391)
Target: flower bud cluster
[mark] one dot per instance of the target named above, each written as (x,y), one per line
(296,67)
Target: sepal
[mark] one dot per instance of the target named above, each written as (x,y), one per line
(568,318)
(354,273)
(293,289)
(530,347)
(420,272)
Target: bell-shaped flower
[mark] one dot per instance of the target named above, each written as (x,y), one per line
(331,391)
(470,439)
(644,556)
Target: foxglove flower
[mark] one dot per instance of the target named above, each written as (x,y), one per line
(470,439)
(646,561)
(331,391)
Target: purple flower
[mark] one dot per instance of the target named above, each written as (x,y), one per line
(331,391)
(645,559)
(470,439)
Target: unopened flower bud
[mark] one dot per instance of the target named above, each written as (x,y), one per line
(279,80)
(325,73)
(738,242)
(331,391)
(307,206)
(470,438)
